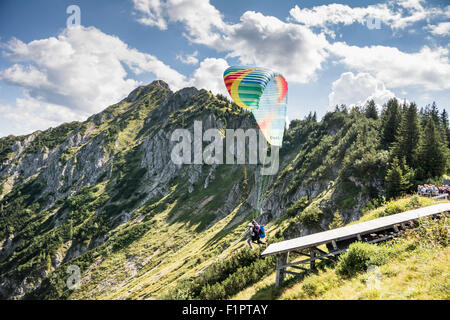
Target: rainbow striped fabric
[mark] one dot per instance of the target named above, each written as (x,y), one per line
(265,93)
(246,85)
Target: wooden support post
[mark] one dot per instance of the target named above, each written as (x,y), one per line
(359,237)
(313,256)
(335,247)
(282,259)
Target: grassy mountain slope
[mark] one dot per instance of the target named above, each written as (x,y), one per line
(104,195)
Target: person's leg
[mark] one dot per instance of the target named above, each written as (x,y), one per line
(249,241)
(255,240)
(260,242)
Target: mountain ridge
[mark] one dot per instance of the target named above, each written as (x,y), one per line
(103,195)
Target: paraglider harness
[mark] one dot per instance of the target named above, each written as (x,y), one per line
(258,234)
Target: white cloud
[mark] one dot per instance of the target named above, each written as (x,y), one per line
(28,76)
(151,13)
(209,75)
(291,49)
(428,69)
(81,72)
(395,14)
(255,40)
(335,13)
(80,69)
(189,58)
(298,53)
(29,115)
(200,18)
(69,77)
(351,89)
(441,29)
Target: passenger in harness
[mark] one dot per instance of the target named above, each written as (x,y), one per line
(256,232)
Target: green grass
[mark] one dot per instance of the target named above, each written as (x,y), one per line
(414,266)
(6,144)
(418,273)
(397,206)
(51,138)
(159,258)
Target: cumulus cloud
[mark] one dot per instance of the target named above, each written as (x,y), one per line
(209,75)
(80,72)
(395,14)
(200,18)
(77,73)
(291,49)
(29,114)
(441,29)
(351,89)
(294,50)
(335,13)
(151,13)
(81,69)
(427,68)
(189,58)
(256,40)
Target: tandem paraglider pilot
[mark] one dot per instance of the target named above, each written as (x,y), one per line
(256,232)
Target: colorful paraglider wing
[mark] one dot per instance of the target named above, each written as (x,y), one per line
(246,85)
(271,112)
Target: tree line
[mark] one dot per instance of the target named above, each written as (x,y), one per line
(418,142)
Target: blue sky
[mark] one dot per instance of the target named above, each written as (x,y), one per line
(329,52)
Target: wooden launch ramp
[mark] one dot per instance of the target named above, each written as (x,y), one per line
(337,240)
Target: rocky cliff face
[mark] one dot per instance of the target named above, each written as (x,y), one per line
(87,193)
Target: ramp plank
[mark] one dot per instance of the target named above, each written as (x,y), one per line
(353,230)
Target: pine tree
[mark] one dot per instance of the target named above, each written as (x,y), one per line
(311,117)
(444,119)
(434,114)
(408,136)
(371,110)
(390,121)
(337,221)
(398,179)
(445,126)
(432,159)
(424,115)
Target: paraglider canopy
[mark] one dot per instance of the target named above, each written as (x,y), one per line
(264,92)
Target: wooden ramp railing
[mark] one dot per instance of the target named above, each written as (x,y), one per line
(442,196)
(338,240)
